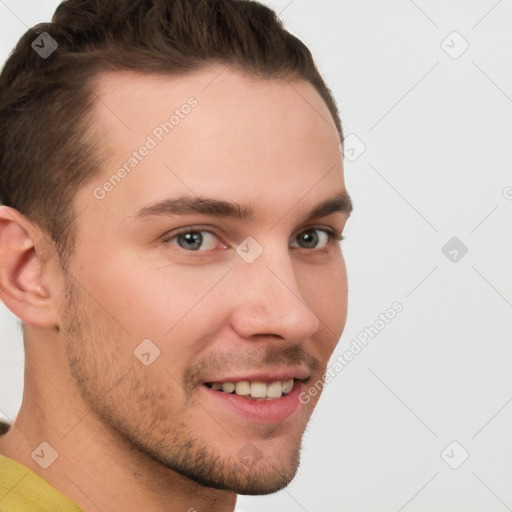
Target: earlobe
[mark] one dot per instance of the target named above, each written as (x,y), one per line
(24,251)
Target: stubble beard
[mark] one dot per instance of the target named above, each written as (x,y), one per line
(115,386)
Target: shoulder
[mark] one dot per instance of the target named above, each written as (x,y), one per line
(22,490)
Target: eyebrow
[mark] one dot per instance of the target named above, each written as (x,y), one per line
(340,202)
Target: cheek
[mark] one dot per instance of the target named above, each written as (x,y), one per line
(324,290)
(339,302)
(153,300)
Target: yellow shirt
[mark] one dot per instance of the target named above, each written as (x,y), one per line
(21,490)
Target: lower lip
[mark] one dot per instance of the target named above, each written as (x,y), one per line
(261,411)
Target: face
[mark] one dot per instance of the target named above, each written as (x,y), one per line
(207,287)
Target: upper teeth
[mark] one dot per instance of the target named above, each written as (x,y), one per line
(255,388)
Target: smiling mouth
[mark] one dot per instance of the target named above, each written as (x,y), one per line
(254,390)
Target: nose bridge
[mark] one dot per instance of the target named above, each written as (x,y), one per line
(269,301)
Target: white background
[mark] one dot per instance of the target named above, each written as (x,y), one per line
(437,132)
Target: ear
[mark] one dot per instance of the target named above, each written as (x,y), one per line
(24,255)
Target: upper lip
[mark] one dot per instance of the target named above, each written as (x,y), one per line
(279,374)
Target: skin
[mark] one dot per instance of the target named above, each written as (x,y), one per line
(133,437)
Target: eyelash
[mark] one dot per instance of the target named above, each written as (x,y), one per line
(332,235)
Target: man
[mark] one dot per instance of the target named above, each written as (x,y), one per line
(174,201)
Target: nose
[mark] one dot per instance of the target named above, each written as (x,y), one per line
(269,302)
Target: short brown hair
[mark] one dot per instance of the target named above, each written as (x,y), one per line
(48,147)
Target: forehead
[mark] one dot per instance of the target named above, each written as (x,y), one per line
(214,83)
(130,103)
(215,131)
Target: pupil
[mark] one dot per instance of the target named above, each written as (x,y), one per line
(309,239)
(191,240)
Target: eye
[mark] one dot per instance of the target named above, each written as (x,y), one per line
(194,240)
(314,238)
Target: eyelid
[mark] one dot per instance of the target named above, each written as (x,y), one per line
(189,229)
(333,233)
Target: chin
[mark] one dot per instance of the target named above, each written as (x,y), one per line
(238,473)
(250,481)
